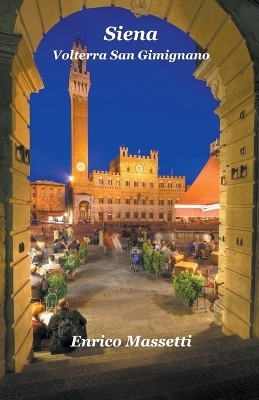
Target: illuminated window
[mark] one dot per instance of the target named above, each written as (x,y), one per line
(161,185)
(109,181)
(118,200)
(143,184)
(161,202)
(169,185)
(151,184)
(135,183)
(169,202)
(100,181)
(151,202)
(127,200)
(100,200)
(127,183)
(109,200)
(178,185)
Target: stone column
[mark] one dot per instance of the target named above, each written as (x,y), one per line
(100,238)
(19,77)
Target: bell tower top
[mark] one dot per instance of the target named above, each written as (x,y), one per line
(79,78)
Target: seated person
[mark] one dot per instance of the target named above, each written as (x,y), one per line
(201,246)
(74,245)
(163,245)
(156,245)
(168,252)
(38,327)
(78,321)
(173,246)
(39,282)
(212,246)
(58,245)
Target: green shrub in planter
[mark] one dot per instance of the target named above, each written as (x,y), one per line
(147,255)
(82,252)
(153,260)
(58,285)
(72,261)
(187,286)
(158,261)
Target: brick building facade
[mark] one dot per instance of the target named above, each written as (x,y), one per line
(131,190)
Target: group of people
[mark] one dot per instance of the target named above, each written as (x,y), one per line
(70,322)
(65,234)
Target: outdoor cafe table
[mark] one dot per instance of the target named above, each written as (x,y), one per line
(177,257)
(191,266)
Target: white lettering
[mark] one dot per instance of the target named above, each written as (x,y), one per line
(161,343)
(131,342)
(115,55)
(75,340)
(145,343)
(111,32)
(57,53)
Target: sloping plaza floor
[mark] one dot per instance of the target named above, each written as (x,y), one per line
(118,302)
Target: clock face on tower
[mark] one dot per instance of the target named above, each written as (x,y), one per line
(80,166)
(139,168)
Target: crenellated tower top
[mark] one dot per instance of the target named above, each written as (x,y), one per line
(79,78)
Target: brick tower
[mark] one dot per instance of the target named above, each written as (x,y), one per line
(79,84)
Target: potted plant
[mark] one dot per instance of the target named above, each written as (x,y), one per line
(158,261)
(82,252)
(57,290)
(153,260)
(72,263)
(147,255)
(187,286)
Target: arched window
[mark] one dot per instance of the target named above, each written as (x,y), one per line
(161,185)
(151,201)
(135,183)
(143,202)
(161,201)
(169,185)
(127,200)
(127,215)
(143,183)
(135,215)
(127,182)
(169,202)
(143,215)
(151,184)
(135,200)
(178,185)
(100,180)
(118,182)
(118,200)
(177,200)
(150,215)
(100,199)
(109,181)
(109,200)
(161,215)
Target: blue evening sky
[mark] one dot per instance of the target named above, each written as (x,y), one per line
(143,105)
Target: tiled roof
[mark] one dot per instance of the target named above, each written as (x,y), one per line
(47,183)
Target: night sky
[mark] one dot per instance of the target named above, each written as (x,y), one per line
(143,105)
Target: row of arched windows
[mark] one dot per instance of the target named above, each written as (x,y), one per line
(137,201)
(143,183)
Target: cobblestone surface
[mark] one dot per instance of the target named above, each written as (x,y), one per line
(117,303)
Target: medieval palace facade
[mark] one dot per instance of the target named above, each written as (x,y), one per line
(131,190)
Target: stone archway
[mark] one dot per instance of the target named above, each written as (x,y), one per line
(233,77)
